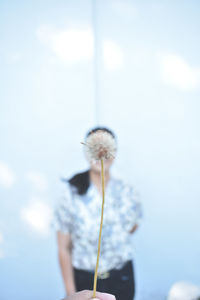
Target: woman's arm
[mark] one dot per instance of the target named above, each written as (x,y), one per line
(65,259)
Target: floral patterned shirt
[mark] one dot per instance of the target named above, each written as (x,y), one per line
(79,216)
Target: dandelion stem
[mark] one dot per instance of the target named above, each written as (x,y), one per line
(100,231)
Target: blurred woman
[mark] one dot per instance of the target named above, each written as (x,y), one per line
(77,220)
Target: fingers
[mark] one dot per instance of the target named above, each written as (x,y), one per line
(99,296)
(87,295)
(104,296)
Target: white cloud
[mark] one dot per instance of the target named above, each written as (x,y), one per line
(71,45)
(184,291)
(7,176)
(38,216)
(38,180)
(74,45)
(113,56)
(177,72)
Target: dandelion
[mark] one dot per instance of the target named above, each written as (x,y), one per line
(100,145)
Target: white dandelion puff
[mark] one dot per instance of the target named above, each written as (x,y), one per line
(100,145)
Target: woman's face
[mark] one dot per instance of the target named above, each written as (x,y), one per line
(96,166)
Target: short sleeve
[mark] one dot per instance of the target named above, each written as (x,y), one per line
(131,208)
(63,213)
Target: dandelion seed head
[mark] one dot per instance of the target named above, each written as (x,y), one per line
(100,145)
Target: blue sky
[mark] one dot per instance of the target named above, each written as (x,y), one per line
(148,92)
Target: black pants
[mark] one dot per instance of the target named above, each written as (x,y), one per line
(120,283)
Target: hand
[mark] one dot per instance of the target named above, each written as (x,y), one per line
(87,295)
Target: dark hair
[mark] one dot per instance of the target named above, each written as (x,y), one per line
(103,129)
(81,181)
